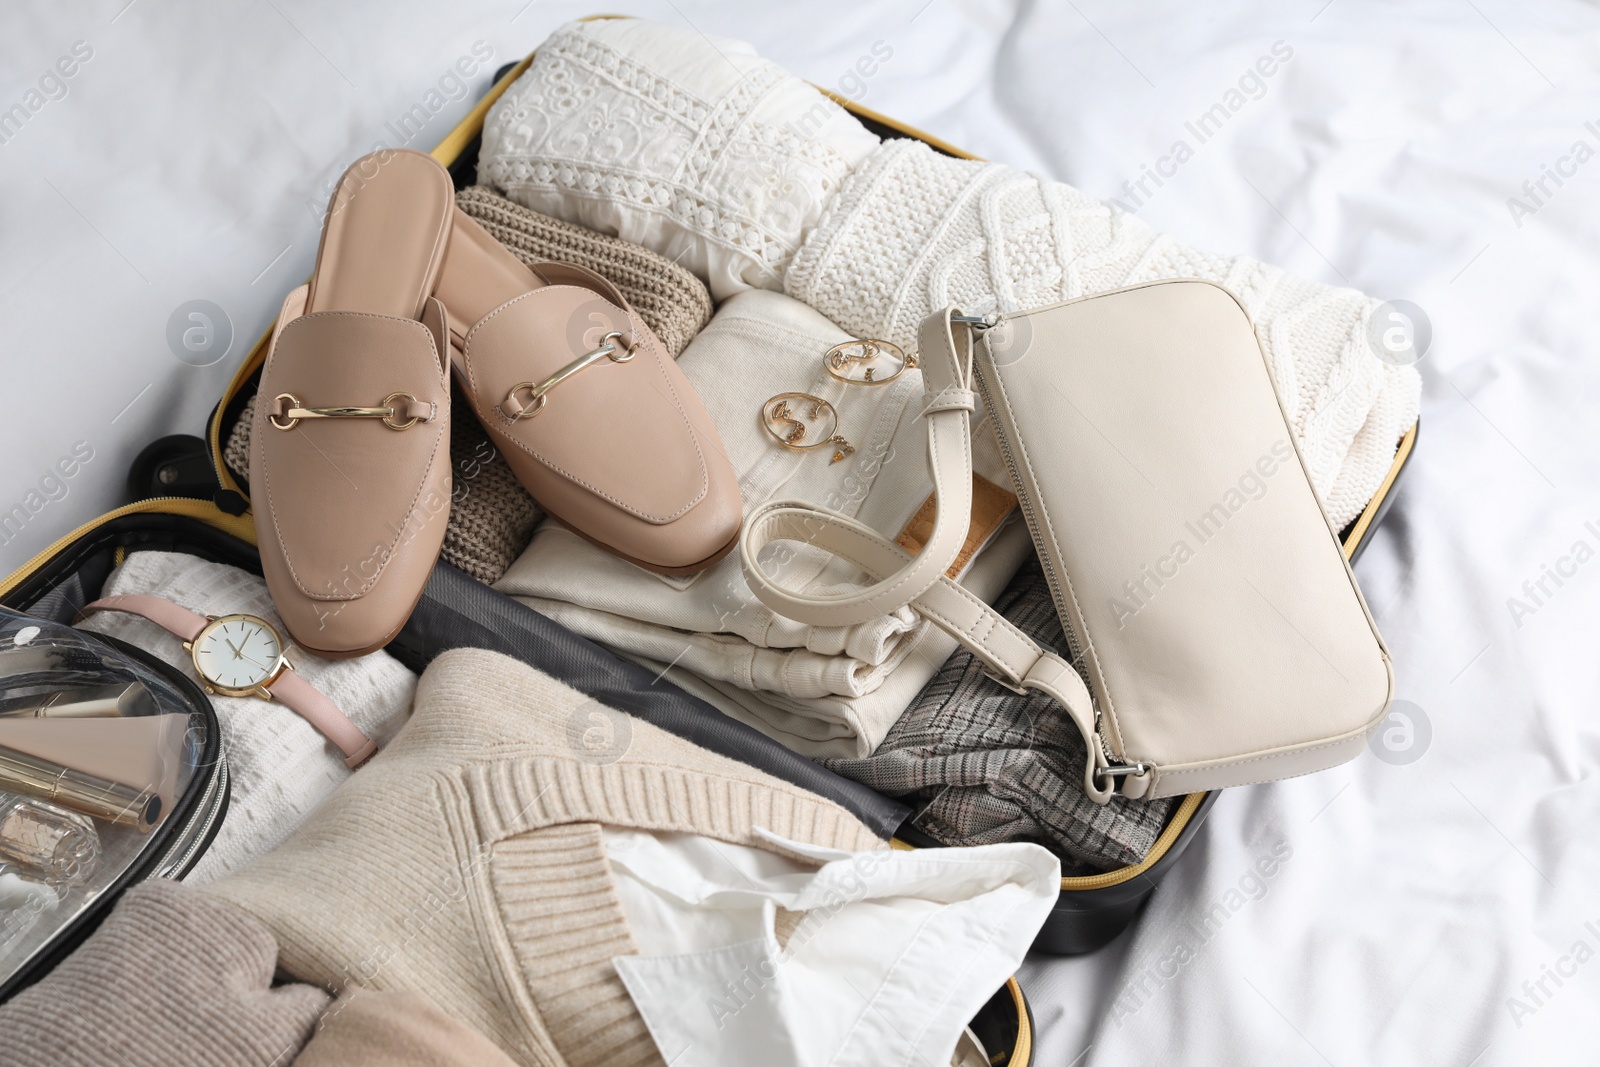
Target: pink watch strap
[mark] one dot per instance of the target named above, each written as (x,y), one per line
(302,697)
(174,618)
(295,693)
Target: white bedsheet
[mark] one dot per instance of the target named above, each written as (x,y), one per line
(1441,911)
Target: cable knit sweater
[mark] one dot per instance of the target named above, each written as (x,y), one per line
(465,862)
(913,231)
(693,146)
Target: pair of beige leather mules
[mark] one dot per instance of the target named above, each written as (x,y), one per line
(350,452)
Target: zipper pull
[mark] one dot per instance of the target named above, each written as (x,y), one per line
(977,323)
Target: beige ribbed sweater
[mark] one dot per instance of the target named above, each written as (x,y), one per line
(171,977)
(402,1029)
(465,861)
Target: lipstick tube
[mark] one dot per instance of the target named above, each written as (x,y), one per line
(118,804)
(82,702)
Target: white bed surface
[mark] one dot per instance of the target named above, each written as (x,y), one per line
(1438,911)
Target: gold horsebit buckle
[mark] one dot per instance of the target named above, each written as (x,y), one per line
(287,407)
(515,408)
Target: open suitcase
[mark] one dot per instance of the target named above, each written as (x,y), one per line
(186,499)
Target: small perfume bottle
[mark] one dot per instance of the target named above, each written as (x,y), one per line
(22,904)
(55,845)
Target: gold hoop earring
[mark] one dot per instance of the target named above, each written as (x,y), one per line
(779,419)
(872,356)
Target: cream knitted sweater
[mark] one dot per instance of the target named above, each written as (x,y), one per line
(693,146)
(465,862)
(912,231)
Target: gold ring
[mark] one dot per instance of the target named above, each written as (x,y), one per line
(389,419)
(778,410)
(294,402)
(627,353)
(864,350)
(528,411)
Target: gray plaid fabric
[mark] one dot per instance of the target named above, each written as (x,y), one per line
(983,764)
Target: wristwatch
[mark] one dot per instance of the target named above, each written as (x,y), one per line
(242,656)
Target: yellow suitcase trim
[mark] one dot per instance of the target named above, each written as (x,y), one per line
(240,526)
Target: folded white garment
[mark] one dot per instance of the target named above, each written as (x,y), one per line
(761,343)
(873,957)
(690,145)
(280,768)
(853,727)
(915,230)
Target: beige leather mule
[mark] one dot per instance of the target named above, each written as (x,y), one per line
(349,454)
(595,419)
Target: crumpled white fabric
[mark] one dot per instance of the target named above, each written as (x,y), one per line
(690,145)
(893,954)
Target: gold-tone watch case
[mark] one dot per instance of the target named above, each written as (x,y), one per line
(262,690)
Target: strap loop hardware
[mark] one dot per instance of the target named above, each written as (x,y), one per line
(515,408)
(1004,682)
(288,408)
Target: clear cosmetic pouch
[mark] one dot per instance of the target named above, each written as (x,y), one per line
(105,753)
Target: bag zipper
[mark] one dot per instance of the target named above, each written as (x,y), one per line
(193,839)
(979,325)
(196,839)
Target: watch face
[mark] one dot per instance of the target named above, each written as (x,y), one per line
(237,652)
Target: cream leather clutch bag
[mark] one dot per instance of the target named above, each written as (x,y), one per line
(1203,591)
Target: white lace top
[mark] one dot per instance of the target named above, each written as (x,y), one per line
(693,146)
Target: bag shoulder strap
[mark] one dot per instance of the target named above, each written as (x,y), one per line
(946,364)
(1010,656)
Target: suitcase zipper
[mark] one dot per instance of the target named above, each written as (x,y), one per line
(240,526)
(1169,836)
